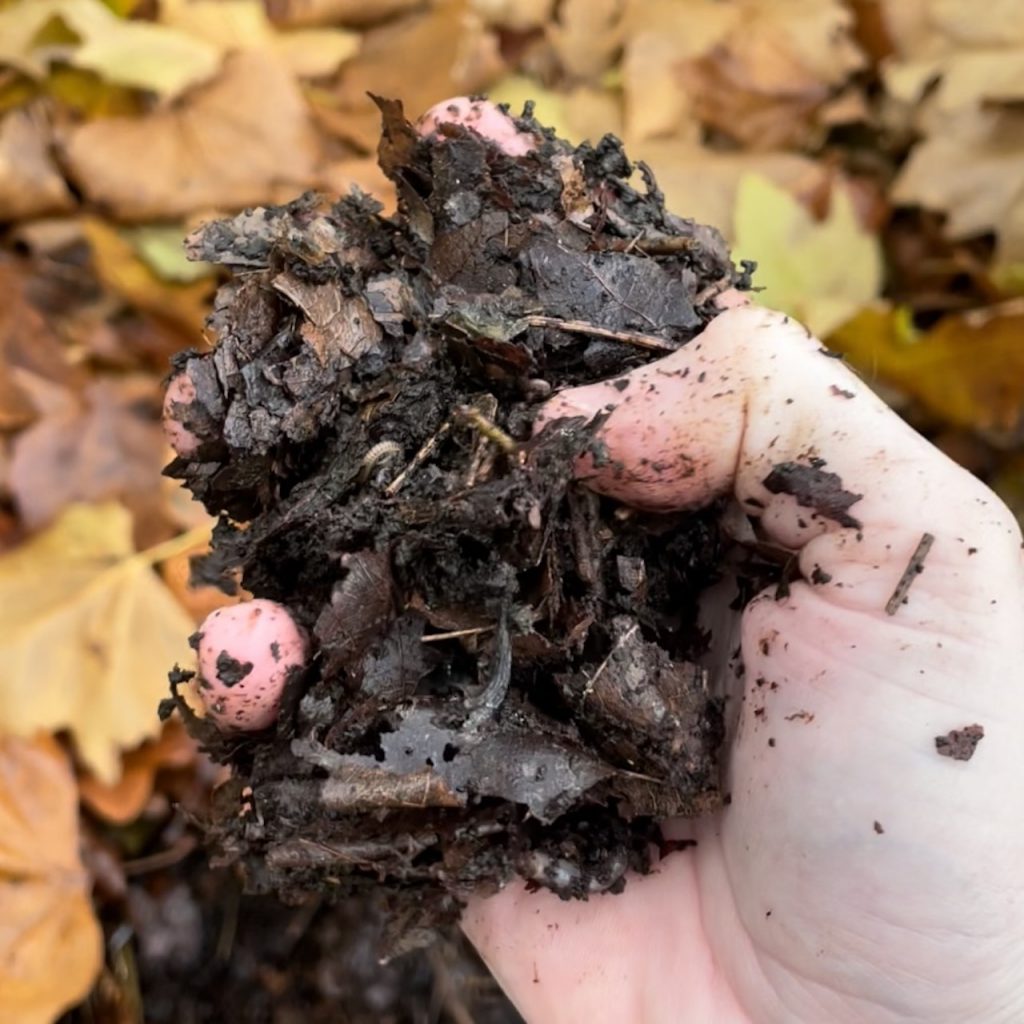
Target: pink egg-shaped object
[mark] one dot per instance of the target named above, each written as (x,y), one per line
(484,118)
(180,391)
(246,654)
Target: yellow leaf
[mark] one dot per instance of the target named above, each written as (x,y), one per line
(135,53)
(820,273)
(968,369)
(243,25)
(50,942)
(87,634)
(120,266)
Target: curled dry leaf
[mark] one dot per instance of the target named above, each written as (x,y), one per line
(238,141)
(50,942)
(86,632)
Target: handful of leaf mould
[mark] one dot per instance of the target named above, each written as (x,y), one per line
(479,668)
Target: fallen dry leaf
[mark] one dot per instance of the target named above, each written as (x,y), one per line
(823,272)
(701,183)
(123,801)
(420,60)
(240,140)
(296,13)
(33,364)
(50,942)
(968,369)
(586,36)
(122,269)
(126,52)
(753,71)
(87,633)
(232,25)
(517,15)
(30,184)
(104,443)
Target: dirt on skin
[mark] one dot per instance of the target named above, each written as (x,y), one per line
(502,675)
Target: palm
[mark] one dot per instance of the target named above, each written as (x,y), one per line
(856,875)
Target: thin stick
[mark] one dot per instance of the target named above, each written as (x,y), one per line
(658,245)
(648,341)
(476,419)
(914,569)
(455,634)
(417,460)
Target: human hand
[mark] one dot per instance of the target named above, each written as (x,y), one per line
(857,875)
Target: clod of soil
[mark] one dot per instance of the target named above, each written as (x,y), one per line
(501,675)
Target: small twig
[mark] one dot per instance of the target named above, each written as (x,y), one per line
(648,341)
(914,569)
(417,460)
(479,422)
(657,245)
(589,688)
(174,854)
(446,988)
(716,288)
(455,634)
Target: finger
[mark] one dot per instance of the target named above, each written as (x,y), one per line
(757,407)
(481,116)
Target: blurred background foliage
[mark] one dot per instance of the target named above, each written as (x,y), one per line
(869,154)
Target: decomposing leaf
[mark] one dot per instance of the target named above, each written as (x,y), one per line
(50,942)
(106,443)
(237,141)
(968,369)
(123,801)
(128,52)
(87,631)
(30,184)
(821,273)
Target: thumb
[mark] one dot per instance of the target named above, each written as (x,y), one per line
(757,407)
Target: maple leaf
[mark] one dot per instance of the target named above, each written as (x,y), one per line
(823,272)
(87,633)
(50,941)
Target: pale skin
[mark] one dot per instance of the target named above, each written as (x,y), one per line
(856,875)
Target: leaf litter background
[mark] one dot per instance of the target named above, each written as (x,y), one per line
(868,153)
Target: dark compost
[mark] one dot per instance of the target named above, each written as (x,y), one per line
(502,678)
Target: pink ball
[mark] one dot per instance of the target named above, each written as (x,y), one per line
(484,118)
(182,391)
(246,654)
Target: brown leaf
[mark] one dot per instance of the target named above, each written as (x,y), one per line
(106,444)
(419,60)
(303,13)
(123,801)
(33,365)
(50,942)
(968,370)
(30,184)
(241,140)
